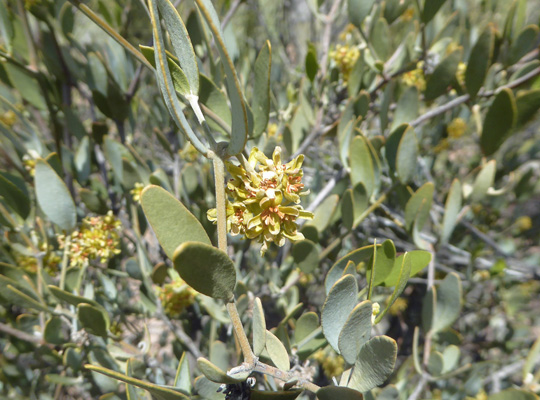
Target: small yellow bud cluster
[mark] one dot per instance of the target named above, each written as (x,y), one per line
(415,77)
(265,202)
(399,306)
(136,192)
(29,162)
(51,261)
(8,118)
(189,153)
(347,32)
(176,297)
(345,57)
(460,73)
(98,238)
(523,223)
(331,363)
(456,128)
(272,131)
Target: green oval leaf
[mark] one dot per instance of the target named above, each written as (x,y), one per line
(261,89)
(404,273)
(206,269)
(179,78)
(527,104)
(181,43)
(305,255)
(53,196)
(375,363)
(239,129)
(356,331)
(359,10)
(54,333)
(419,260)
(172,223)
(258,327)
(443,76)
(95,320)
(277,352)
(418,207)
(448,302)
(500,119)
(213,372)
(484,180)
(338,392)
(338,305)
(452,208)
(479,61)
(430,9)
(406,156)
(337,270)
(14,196)
(361,164)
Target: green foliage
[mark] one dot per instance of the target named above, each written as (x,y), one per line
(158,243)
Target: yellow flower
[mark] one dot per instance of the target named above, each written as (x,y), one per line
(456,128)
(8,118)
(524,223)
(345,57)
(98,238)
(415,77)
(266,199)
(460,73)
(331,363)
(176,297)
(136,192)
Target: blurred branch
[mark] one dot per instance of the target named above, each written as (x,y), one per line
(22,335)
(110,31)
(230,13)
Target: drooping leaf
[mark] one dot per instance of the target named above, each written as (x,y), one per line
(500,119)
(375,363)
(451,210)
(239,129)
(258,327)
(213,372)
(418,207)
(513,394)
(430,9)
(172,223)
(159,392)
(356,331)
(484,180)
(338,392)
(53,196)
(181,43)
(479,61)
(359,10)
(277,352)
(361,164)
(443,75)
(338,305)
(260,105)
(95,320)
(305,255)
(14,196)
(179,78)
(404,274)
(206,269)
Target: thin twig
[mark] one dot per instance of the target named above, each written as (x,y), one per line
(230,13)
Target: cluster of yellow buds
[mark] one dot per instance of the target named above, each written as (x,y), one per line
(29,161)
(176,297)
(416,77)
(456,128)
(51,260)
(265,201)
(460,73)
(189,153)
(136,192)
(331,363)
(8,118)
(98,238)
(345,57)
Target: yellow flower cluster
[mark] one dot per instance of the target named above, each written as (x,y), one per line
(331,363)
(8,118)
(98,238)
(460,73)
(266,201)
(51,261)
(456,128)
(345,57)
(415,77)
(176,297)
(136,192)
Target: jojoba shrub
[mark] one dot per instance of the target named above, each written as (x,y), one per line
(265,199)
